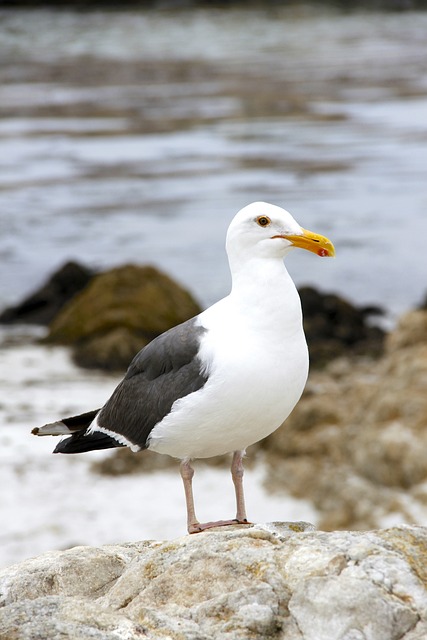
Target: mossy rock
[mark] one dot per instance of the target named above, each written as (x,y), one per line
(118,313)
(111,351)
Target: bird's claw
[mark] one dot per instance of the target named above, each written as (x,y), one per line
(198,527)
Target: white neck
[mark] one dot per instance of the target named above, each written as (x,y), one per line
(264,286)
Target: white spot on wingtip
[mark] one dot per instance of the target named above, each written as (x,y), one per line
(52,429)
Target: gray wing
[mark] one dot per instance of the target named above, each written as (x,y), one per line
(166,369)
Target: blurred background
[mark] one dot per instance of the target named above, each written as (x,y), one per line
(132,134)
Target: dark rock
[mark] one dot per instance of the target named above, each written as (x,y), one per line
(334,327)
(423,305)
(43,305)
(118,313)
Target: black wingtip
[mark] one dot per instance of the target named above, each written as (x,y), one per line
(81,442)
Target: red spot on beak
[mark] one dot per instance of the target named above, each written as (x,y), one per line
(323,253)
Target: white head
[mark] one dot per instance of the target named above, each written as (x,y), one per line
(266,231)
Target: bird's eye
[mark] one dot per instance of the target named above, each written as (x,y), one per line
(263,221)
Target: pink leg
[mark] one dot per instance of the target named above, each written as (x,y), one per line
(187,473)
(237,475)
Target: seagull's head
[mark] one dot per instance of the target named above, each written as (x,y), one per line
(266,230)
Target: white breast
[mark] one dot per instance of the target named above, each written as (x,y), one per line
(257,370)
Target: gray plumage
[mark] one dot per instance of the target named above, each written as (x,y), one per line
(166,369)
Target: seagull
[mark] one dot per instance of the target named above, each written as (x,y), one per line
(222,380)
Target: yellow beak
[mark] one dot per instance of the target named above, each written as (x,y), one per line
(314,242)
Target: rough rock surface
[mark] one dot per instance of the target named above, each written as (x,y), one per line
(118,313)
(355,444)
(281,581)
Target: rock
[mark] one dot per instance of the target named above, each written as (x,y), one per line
(334,327)
(411,330)
(355,444)
(423,305)
(282,581)
(113,350)
(43,305)
(391,448)
(118,313)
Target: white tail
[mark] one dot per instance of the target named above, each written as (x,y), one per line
(52,429)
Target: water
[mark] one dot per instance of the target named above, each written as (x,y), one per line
(135,136)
